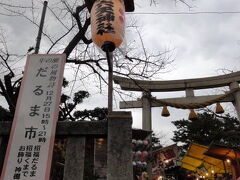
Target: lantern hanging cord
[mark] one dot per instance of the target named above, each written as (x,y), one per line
(195,105)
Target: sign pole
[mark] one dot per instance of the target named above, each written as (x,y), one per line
(41,27)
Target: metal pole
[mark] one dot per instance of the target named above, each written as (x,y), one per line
(224,166)
(41,27)
(110,81)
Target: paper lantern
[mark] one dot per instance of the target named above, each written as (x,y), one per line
(108,23)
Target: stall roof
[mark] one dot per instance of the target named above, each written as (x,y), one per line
(222,152)
(196,160)
(140,134)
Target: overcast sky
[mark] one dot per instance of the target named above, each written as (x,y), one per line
(202,44)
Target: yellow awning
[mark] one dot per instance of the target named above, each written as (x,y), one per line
(196,161)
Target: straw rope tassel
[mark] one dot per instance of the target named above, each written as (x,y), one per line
(192,115)
(219,108)
(165,112)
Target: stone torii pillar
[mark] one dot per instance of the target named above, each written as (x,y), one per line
(147,122)
(147,112)
(236,101)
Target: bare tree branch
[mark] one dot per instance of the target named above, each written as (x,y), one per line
(59,39)
(79,36)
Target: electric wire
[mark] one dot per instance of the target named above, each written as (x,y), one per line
(184,13)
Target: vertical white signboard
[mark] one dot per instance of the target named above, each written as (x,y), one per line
(29,151)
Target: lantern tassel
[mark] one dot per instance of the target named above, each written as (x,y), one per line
(165,112)
(219,109)
(192,115)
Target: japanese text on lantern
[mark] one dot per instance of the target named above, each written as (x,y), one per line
(31,141)
(105,17)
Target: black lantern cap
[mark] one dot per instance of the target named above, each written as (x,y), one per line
(108,46)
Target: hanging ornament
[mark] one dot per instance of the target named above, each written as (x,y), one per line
(134,144)
(145,142)
(139,144)
(108,24)
(144,156)
(192,115)
(133,154)
(219,108)
(165,112)
(134,163)
(144,164)
(138,155)
(139,163)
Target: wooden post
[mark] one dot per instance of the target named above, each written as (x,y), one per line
(119,147)
(74,161)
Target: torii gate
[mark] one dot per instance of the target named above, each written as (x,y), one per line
(188,85)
